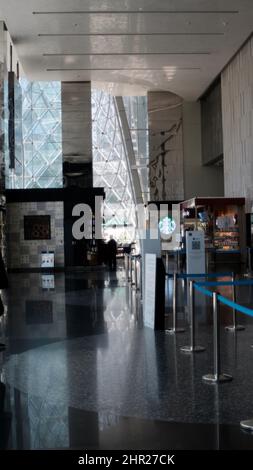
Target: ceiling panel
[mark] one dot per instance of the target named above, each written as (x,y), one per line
(129,46)
(134,23)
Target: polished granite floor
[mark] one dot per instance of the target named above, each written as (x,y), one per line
(80,371)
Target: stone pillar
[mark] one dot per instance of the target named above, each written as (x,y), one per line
(77,134)
(165,113)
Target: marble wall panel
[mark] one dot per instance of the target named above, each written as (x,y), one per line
(165,113)
(237,111)
(27,253)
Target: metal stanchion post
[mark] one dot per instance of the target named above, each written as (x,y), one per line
(174,328)
(217,376)
(135,273)
(247,425)
(207,261)
(138,278)
(235,326)
(2,345)
(178,261)
(131,270)
(192,348)
(128,267)
(167,263)
(249,266)
(141,280)
(126,272)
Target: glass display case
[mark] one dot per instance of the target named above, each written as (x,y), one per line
(223,222)
(226,231)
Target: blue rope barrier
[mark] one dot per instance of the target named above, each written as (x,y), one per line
(196,276)
(229,303)
(209,275)
(203,291)
(242,282)
(239,308)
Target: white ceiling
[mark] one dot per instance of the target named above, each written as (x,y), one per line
(129,46)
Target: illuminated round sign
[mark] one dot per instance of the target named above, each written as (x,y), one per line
(167,226)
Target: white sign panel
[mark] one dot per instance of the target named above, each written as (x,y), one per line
(149,246)
(47,260)
(150,290)
(48,281)
(195,252)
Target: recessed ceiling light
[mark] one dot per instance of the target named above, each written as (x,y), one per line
(69,60)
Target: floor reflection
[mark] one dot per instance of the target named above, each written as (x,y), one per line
(39,426)
(80,371)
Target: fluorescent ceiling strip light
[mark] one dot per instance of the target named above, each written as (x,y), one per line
(163,69)
(126,53)
(142,12)
(127,34)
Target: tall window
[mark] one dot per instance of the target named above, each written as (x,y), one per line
(40,163)
(110,169)
(137,116)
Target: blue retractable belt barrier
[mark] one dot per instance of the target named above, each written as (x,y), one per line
(246,282)
(209,275)
(229,303)
(205,275)
(204,291)
(239,308)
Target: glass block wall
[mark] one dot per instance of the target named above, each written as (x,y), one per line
(40,163)
(137,115)
(110,169)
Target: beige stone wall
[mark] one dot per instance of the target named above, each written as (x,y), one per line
(27,253)
(199,180)
(237,109)
(183,176)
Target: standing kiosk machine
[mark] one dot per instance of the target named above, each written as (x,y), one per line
(195,252)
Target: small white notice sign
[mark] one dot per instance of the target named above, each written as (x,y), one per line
(47,260)
(150,291)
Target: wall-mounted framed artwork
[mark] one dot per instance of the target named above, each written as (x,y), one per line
(37,227)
